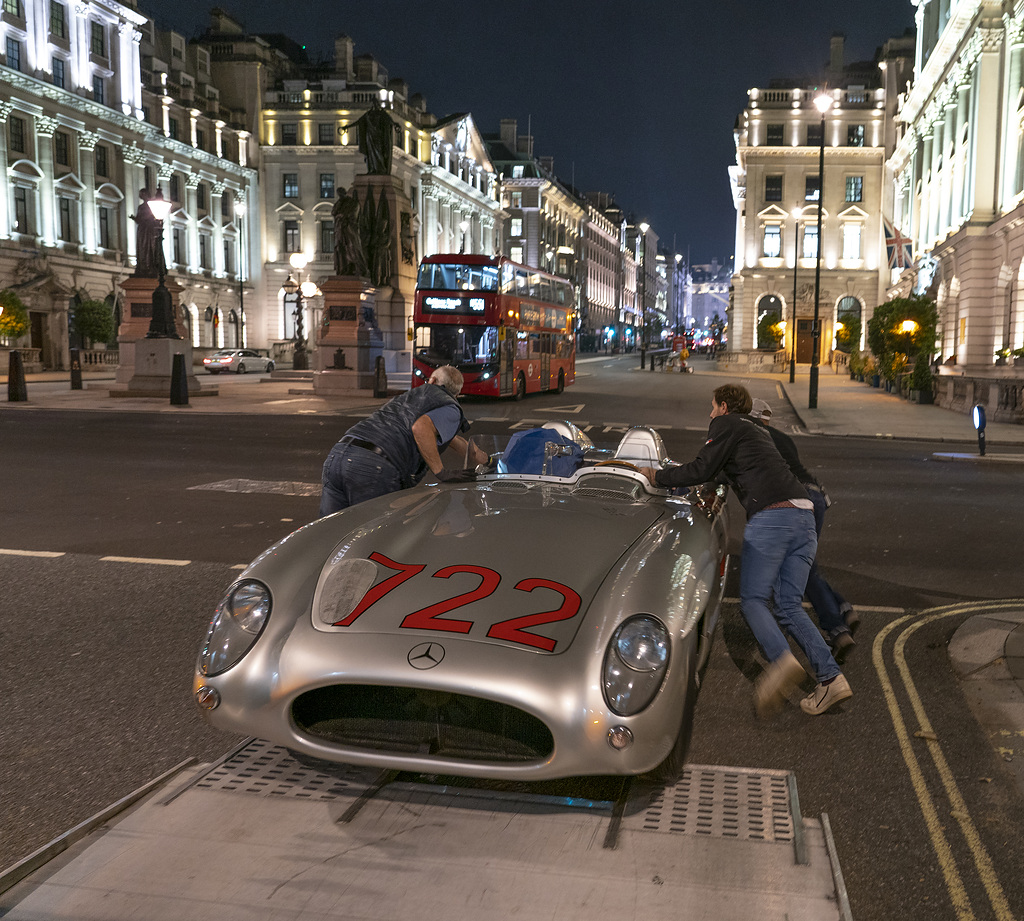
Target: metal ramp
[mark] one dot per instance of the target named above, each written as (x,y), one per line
(259,836)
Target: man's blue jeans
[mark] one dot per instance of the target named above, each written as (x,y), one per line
(778,550)
(352,475)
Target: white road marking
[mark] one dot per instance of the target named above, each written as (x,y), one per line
(45,554)
(139,559)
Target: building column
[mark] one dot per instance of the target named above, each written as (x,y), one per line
(87,141)
(986,130)
(1011,134)
(5,195)
(220,270)
(45,127)
(191,184)
(927,176)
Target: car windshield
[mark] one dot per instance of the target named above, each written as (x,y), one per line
(461,345)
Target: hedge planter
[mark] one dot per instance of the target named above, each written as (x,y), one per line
(923,397)
(876,380)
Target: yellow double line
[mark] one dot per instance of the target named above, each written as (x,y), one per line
(982,861)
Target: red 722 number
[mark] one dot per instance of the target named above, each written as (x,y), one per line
(514,630)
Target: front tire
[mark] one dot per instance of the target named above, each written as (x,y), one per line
(561,382)
(520,388)
(671,769)
(241,368)
(270,366)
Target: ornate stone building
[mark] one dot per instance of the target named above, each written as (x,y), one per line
(958,172)
(776,189)
(97,107)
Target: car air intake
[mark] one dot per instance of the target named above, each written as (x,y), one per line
(415,722)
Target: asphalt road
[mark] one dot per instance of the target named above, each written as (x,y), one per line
(97,643)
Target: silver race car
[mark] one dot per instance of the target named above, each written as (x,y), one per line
(550,619)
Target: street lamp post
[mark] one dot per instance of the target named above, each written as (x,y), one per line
(796,262)
(644,227)
(822,103)
(161,323)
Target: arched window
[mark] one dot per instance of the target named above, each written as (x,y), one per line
(848,326)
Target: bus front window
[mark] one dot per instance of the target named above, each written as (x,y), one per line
(460,345)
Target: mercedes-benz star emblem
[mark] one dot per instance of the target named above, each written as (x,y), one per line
(426,655)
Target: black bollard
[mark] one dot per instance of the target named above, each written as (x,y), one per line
(17,392)
(76,370)
(380,378)
(179,382)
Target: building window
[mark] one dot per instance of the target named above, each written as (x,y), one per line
(772,241)
(290,186)
(854,135)
(102,167)
(810,250)
(13,53)
(59,78)
(515,253)
(201,201)
(517,172)
(773,188)
(291,236)
(178,246)
(99,93)
(98,40)
(814,134)
(172,128)
(204,250)
(327,236)
(289,133)
(22,224)
(174,188)
(851,241)
(327,185)
(229,257)
(773,135)
(104,227)
(200,139)
(516,227)
(58,20)
(812,188)
(855,188)
(62,148)
(64,210)
(517,199)
(325,133)
(13,8)
(17,134)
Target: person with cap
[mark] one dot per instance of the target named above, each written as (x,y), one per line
(835,614)
(393,448)
(779,543)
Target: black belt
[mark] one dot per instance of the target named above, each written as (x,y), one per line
(365,445)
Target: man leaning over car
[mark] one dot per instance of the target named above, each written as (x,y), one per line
(393,448)
(779,544)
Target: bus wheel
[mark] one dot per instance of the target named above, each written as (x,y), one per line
(561,382)
(520,387)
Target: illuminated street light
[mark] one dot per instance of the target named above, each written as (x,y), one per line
(239,214)
(823,103)
(644,227)
(909,327)
(300,358)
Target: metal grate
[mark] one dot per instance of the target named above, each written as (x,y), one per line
(269,770)
(724,803)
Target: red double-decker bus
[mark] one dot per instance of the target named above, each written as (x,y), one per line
(506,327)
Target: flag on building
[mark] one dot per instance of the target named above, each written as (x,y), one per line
(899,250)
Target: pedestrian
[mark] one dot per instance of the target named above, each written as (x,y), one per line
(779,543)
(835,614)
(393,448)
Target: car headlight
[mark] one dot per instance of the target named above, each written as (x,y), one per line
(236,625)
(635,664)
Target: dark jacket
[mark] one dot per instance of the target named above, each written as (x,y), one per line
(740,450)
(787,448)
(390,428)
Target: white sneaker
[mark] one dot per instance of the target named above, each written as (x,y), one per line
(825,695)
(775,683)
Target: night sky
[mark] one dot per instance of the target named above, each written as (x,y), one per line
(636,99)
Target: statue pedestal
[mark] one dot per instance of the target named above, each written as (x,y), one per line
(144,365)
(348,342)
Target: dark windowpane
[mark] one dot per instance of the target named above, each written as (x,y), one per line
(774,135)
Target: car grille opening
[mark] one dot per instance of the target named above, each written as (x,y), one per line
(415,721)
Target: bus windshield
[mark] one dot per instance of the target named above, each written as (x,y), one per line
(459,345)
(453,276)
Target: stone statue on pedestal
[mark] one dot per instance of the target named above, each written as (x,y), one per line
(149,235)
(349,258)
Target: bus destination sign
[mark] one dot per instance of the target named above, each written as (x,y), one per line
(466,306)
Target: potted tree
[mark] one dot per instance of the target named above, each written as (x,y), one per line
(1003,355)
(920,383)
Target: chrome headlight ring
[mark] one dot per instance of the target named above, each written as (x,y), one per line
(235,627)
(635,664)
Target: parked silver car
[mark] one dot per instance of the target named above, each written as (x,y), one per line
(550,619)
(238,360)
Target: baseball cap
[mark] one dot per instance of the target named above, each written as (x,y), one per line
(760,410)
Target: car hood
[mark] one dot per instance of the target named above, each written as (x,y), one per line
(507,563)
